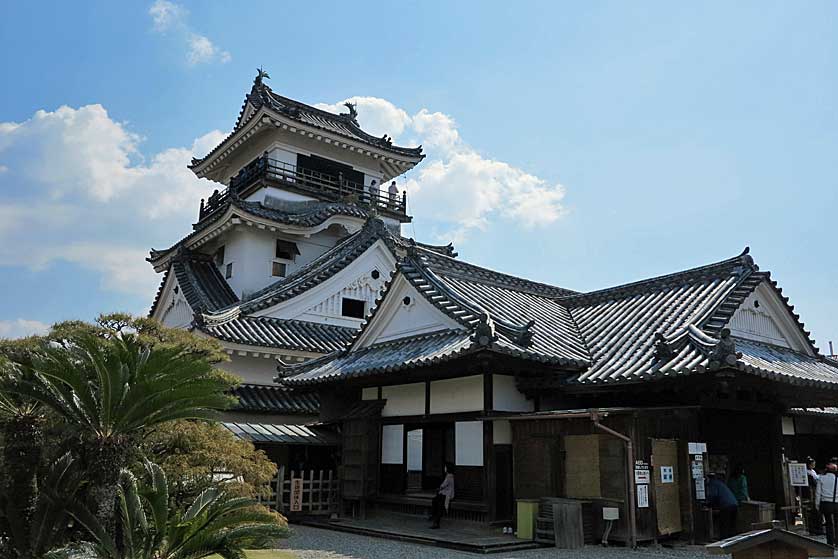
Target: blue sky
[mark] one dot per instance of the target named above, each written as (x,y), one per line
(581,144)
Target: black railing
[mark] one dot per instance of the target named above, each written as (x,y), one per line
(284,175)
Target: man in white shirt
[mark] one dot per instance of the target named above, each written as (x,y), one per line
(826,499)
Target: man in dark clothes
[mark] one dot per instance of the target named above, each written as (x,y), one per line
(720,497)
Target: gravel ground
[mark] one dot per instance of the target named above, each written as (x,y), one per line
(316,543)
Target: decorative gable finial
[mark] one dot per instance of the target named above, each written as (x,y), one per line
(353,111)
(261,74)
(484,332)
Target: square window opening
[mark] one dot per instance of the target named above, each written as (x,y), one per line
(286,250)
(353,308)
(279,269)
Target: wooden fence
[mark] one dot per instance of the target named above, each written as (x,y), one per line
(319,493)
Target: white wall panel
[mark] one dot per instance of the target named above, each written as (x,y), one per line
(468,443)
(404,399)
(392,444)
(457,395)
(502,432)
(370,393)
(506,397)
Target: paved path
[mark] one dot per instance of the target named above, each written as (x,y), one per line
(316,543)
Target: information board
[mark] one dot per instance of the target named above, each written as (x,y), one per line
(296,494)
(642,496)
(797,474)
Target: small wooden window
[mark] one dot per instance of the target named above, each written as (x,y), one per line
(279,269)
(286,250)
(228,273)
(353,308)
(218,256)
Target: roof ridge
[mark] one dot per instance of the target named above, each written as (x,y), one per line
(744,260)
(538,288)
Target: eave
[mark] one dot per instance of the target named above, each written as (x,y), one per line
(392,164)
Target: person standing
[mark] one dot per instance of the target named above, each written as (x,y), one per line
(826,499)
(738,484)
(443,496)
(722,499)
(815,521)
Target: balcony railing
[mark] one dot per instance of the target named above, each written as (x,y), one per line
(277,173)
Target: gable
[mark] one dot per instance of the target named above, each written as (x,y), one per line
(404,313)
(173,309)
(764,317)
(323,302)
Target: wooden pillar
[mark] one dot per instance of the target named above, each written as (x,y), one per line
(777,459)
(490,492)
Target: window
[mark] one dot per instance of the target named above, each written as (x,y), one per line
(228,273)
(279,269)
(218,256)
(286,250)
(353,308)
(375,274)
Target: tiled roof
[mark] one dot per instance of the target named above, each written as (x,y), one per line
(302,214)
(662,327)
(344,125)
(275,399)
(619,325)
(265,331)
(200,282)
(498,313)
(384,358)
(283,434)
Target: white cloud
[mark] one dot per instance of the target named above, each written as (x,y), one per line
(202,50)
(166,14)
(455,184)
(84,193)
(20,328)
(171,17)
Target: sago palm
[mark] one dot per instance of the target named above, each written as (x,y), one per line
(214,524)
(112,389)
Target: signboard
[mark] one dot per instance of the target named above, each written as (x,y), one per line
(642,496)
(696,448)
(296,494)
(699,490)
(797,474)
(697,469)
(667,474)
(641,472)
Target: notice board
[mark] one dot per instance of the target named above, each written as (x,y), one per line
(667,497)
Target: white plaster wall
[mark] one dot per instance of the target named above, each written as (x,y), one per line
(173,310)
(404,399)
(252,370)
(457,395)
(370,393)
(763,317)
(414,450)
(259,195)
(468,443)
(252,252)
(506,397)
(397,320)
(501,431)
(323,303)
(392,444)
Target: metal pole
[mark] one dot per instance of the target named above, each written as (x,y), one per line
(632,517)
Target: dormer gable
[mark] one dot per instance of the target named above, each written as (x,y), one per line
(764,317)
(404,312)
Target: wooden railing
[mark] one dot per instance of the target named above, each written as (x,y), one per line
(319,492)
(284,175)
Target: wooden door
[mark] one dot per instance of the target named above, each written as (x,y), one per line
(666,483)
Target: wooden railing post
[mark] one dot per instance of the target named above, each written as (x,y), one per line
(280,485)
